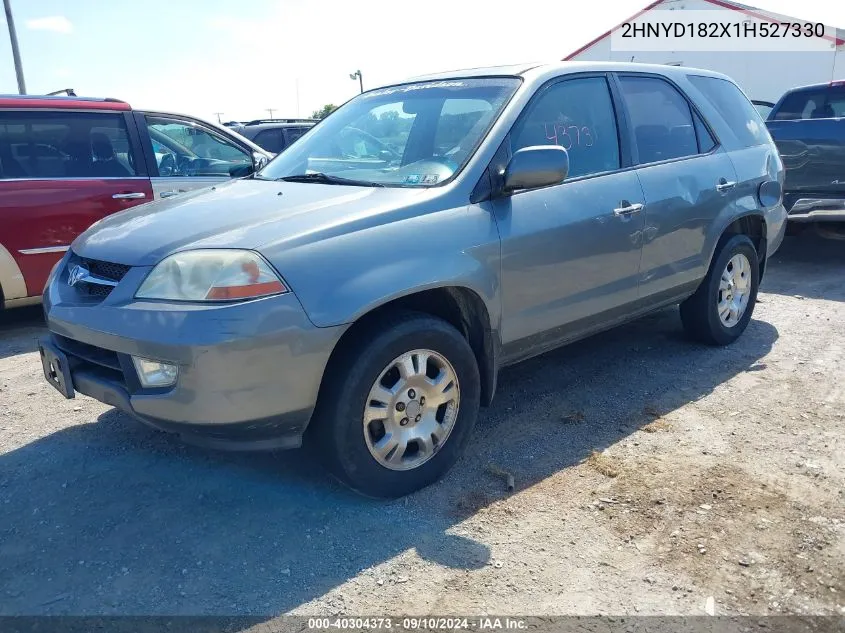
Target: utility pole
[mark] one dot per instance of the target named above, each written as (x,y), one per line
(297,97)
(218,117)
(357,75)
(270,110)
(16,54)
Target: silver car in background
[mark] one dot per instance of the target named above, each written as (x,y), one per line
(363,290)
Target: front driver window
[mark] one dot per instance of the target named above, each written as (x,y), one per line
(578,115)
(186,148)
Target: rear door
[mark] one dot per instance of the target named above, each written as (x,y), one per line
(752,153)
(61,171)
(184,154)
(687,180)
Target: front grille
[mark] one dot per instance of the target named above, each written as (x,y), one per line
(107,270)
(95,290)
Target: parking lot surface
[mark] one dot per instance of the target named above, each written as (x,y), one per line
(651,474)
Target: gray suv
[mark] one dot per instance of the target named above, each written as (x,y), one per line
(362,296)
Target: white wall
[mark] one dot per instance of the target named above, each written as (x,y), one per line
(763,75)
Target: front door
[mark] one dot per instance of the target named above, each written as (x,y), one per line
(61,171)
(185,154)
(570,253)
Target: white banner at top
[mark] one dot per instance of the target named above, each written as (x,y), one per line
(720,30)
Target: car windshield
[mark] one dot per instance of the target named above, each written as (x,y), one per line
(416,135)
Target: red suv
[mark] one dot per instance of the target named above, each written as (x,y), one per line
(66,162)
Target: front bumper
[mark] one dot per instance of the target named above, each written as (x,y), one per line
(248,377)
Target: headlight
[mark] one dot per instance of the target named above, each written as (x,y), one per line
(211,275)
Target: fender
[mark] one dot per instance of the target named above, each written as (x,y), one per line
(12,283)
(718,228)
(484,339)
(340,279)
(374,288)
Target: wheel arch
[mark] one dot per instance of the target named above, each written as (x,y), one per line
(751,224)
(12,283)
(460,306)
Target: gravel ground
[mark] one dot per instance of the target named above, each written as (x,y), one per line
(651,474)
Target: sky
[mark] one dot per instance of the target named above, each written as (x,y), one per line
(204,57)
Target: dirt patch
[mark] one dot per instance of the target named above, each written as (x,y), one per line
(658,425)
(603,464)
(729,531)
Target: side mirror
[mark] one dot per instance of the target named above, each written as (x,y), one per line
(536,166)
(259,160)
(240,171)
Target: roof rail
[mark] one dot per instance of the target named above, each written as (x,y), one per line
(260,121)
(61,97)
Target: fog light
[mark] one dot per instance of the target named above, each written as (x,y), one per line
(153,373)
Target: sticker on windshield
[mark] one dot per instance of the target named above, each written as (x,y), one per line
(430,179)
(413,87)
(413,179)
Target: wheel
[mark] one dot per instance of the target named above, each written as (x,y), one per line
(721,308)
(399,405)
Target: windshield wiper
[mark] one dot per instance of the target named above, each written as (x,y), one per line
(328,179)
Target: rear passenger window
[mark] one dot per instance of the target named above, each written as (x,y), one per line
(735,108)
(661,119)
(273,140)
(64,145)
(578,115)
(295,132)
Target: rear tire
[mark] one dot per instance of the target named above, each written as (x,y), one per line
(359,429)
(719,311)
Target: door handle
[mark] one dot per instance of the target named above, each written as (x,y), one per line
(171,193)
(135,195)
(627,209)
(725,185)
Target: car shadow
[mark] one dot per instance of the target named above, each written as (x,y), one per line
(20,329)
(113,518)
(808,265)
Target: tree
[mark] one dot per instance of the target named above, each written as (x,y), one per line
(325,111)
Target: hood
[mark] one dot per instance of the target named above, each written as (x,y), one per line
(238,214)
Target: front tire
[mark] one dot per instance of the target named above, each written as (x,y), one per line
(721,308)
(398,405)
